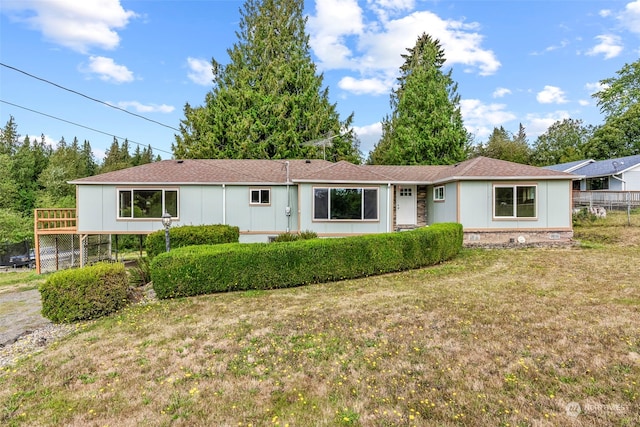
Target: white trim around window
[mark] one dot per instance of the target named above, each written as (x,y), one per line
(438,193)
(139,203)
(260,196)
(346,204)
(515,201)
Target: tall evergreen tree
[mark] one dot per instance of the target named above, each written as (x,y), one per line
(268,102)
(425,126)
(9,137)
(117,157)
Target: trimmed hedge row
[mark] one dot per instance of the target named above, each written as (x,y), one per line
(207,269)
(188,235)
(84,293)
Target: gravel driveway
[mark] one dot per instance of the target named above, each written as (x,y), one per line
(19,314)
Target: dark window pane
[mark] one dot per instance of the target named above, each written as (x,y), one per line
(526,206)
(147,203)
(504,201)
(124,204)
(346,203)
(255,196)
(321,203)
(264,196)
(371,204)
(171,202)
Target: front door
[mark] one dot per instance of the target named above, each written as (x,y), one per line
(406,205)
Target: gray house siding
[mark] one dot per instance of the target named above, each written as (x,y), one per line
(443,211)
(552,206)
(197,204)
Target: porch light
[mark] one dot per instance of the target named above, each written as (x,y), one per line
(166,221)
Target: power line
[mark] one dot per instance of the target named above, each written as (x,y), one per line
(88,97)
(83,126)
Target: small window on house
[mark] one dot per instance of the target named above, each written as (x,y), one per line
(260,196)
(438,193)
(515,201)
(405,192)
(147,203)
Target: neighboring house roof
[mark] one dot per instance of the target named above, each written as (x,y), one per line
(233,171)
(609,167)
(570,166)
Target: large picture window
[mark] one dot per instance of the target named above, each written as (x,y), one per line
(355,204)
(515,201)
(147,203)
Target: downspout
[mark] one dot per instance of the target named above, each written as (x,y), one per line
(224,203)
(287,209)
(389,211)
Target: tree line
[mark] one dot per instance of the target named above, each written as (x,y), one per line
(34,174)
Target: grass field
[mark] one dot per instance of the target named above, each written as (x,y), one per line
(516,337)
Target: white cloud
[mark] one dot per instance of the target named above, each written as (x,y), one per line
(610,46)
(108,70)
(630,17)
(341,38)
(584,102)
(480,118)
(501,92)
(365,86)
(149,108)
(605,13)
(594,87)
(537,124)
(200,71)
(551,95)
(77,25)
(369,136)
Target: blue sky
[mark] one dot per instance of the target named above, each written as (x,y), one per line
(529,62)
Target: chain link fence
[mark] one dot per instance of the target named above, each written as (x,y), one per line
(16,254)
(62,251)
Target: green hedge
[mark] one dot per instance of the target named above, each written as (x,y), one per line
(207,269)
(84,293)
(188,235)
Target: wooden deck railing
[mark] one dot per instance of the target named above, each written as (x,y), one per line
(55,220)
(606,198)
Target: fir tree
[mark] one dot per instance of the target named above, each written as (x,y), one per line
(425,126)
(268,102)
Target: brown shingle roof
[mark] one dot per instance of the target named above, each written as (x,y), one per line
(238,171)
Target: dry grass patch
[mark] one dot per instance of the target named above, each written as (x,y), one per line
(495,337)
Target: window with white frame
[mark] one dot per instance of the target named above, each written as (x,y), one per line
(147,203)
(336,204)
(515,201)
(438,193)
(260,196)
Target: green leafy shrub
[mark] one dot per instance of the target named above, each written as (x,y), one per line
(140,272)
(308,234)
(207,269)
(188,235)
(84,293)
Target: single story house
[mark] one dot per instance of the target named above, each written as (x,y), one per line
(495,201)
(621,174)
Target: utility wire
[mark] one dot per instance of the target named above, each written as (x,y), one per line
(82,126)
(86,96)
